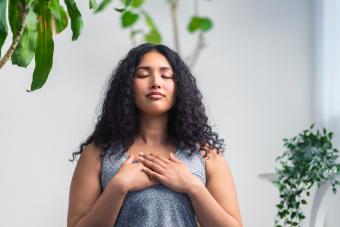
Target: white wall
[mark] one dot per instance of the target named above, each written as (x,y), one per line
(326,84)
(255,76)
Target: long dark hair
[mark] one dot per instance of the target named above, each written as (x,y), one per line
(118,121)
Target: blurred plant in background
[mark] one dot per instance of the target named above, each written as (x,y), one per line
(33,24)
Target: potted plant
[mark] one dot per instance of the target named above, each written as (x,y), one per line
(309,158)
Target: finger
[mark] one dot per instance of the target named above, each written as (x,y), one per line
(165,160)
(157,159)
(152,165)
(153,175)
(130,159)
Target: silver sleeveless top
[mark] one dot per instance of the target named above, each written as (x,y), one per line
(157,205)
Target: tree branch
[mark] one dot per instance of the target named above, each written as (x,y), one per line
(174,4)
(200,44)
(192,59)
(23,10)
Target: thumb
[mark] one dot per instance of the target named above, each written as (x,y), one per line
(130,159)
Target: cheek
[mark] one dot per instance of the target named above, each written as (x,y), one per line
(171,89)
(137,87)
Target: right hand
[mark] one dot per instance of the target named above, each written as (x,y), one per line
(131,177)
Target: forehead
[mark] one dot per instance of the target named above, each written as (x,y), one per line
(154,59)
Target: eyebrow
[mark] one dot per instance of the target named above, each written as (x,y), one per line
(162,68)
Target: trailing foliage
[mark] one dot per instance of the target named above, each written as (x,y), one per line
(309,158)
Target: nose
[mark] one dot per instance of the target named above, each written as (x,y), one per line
(155,82)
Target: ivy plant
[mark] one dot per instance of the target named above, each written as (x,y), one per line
(33,24)
(309,159)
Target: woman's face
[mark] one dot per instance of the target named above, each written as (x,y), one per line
(154,84)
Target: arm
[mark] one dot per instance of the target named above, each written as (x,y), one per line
(216,204)
(88,205)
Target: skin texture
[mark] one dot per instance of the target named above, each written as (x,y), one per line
(151,161)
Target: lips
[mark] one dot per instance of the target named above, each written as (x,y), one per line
(155,94)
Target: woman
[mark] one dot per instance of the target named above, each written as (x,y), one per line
(152,159)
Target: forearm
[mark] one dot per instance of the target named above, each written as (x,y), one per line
(106,209)
(208,211)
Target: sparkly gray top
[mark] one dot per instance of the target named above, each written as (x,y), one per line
(157,205)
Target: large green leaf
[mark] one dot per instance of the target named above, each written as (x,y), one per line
(59,15)
(13,16)
(44,50)
(23,54)
(3,23)
(128,18)
(76,20)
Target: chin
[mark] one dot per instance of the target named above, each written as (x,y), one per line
(156,111)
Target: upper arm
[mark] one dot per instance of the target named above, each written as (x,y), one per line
(85,185)
(221,185)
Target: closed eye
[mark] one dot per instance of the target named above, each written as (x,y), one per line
(167,77)
(142,76)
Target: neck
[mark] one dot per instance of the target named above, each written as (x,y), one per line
(153,129)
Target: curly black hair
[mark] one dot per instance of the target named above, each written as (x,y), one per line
(118,121)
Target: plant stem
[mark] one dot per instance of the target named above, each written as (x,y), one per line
(200,44)
(197,50)
(23,10)
(174,4)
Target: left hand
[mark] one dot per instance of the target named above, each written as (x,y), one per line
(171,172)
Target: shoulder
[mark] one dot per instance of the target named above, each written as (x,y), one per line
(90,157)
(214,162)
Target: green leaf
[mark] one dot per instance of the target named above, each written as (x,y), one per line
(137,3)
(93,4)
(3,23)
(44,50)
(301,216)
(23,54)
(128,18)
(102,5)
(303,201)
(153,37)
(13,16)
(59,15)
(76,20)
(194,24)
(199,23)
(205,24)
(127,3)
